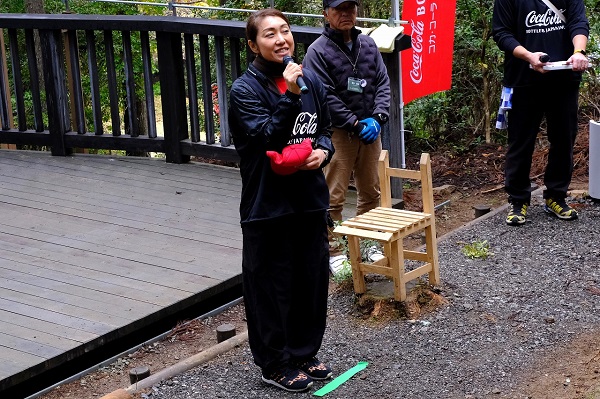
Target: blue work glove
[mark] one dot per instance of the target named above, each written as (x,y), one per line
(370,131)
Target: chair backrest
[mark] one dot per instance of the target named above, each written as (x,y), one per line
(423,175)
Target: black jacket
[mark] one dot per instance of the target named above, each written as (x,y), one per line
(332,61)
(531,24)
(262,120)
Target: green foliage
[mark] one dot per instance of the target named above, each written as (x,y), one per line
(344,274)
(55,6)
(462,117)
(425,117)
(106,152)
(102,8)
(12,6)
(97,8)
(376,9)
(590,88)
(287,6)
(341,244)
(75,6)
(479,249)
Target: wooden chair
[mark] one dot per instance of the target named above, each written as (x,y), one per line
(390,226)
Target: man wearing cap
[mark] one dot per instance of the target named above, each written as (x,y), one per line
(358,95)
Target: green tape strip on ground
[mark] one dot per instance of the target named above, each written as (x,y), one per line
(339,380)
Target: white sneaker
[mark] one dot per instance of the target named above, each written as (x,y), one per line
(336,263)
(374,253)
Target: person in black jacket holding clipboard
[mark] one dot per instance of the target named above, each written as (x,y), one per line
(283,137)
(527,30)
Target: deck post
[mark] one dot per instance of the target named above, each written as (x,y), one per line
(56,90)
(392,131)
(172,88)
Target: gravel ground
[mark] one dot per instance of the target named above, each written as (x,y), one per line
(536,293)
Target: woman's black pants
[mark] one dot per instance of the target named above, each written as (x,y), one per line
(285,272)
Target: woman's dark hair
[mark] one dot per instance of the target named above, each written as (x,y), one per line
(255,19)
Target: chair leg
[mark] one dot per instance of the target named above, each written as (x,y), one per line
(432,255)
(396,262)
(358,276)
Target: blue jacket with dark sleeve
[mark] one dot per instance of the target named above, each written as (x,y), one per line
(261,119)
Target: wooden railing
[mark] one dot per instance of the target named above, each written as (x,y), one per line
(46,100)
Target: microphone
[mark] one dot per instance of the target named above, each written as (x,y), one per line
(300,82)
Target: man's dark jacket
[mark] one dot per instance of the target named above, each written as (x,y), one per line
(331,59)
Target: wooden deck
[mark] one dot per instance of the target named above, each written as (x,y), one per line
(96,249)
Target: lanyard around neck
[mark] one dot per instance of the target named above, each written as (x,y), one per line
(354,70)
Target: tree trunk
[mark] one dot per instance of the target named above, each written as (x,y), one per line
(486,106)
(37,7)
(486,86)
(34,7)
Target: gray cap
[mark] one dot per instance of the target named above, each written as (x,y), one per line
(335,3)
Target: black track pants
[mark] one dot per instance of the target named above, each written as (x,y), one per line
(285,272)
(558,102)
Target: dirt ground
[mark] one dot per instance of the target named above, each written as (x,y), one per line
(464,182)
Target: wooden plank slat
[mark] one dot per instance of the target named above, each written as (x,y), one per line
(414,255)
(118,241)
(69,292)
(133,211)
(418,272)
(367,225)
(88,251)
(94,315)
(404,173)
(28,346)
(71,282)
(58,318)
(189,228)
(393,211)
(374,235)
(42,337)
(145,278)
(38,326)
(15,360)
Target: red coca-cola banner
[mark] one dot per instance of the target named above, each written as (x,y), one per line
(427,66)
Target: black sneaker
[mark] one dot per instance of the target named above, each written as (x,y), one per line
(316,369)
(289,379)
(560,209)
(517,212)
